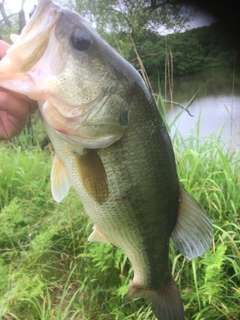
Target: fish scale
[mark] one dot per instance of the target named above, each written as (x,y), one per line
(136,203)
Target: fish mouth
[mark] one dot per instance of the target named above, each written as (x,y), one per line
(41,64)
(73,117)
(94,143)
(28,48)
(72,129)
(37,57)
(45,15)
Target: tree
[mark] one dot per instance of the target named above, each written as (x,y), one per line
(133,21)
(133,15)
(10,22)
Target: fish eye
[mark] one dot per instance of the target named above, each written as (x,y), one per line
(81,40)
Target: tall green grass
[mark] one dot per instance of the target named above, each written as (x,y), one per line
(48,270)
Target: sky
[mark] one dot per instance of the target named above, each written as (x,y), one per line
(202,18)
(15,5)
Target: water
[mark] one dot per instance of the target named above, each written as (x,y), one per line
(217,105)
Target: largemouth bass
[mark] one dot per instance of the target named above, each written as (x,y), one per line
(111,145)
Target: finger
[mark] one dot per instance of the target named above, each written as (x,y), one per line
(15,107)
(6,95)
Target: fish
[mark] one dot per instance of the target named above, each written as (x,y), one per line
(111,145)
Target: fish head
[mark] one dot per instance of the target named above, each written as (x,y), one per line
(77,78)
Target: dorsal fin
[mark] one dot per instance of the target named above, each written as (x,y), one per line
(93,175)
(60,183)
(193,232)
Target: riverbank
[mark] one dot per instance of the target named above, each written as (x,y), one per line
(215,108)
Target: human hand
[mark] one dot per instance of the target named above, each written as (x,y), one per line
(14,107)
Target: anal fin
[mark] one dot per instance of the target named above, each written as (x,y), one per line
(97,236)
(192,235)
(60,183)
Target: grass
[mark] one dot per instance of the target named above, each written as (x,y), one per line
(48,270)
(211,173)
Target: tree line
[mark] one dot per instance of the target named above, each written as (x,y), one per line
(132,27)
(192,51)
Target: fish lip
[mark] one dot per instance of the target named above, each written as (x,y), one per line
(45,8)
(85,143)
(23,54)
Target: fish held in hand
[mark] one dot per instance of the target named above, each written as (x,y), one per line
(111,145)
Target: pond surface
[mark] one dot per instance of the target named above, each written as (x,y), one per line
(217,104)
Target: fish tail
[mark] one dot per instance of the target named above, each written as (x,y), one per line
(166,301)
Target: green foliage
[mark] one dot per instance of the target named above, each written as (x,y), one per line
(48,270)
(193,51)
(209,170)
(8,22)
(132,16)
(6,31)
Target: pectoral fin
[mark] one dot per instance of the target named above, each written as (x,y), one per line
(93,175)
(193,232)
(60,183)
